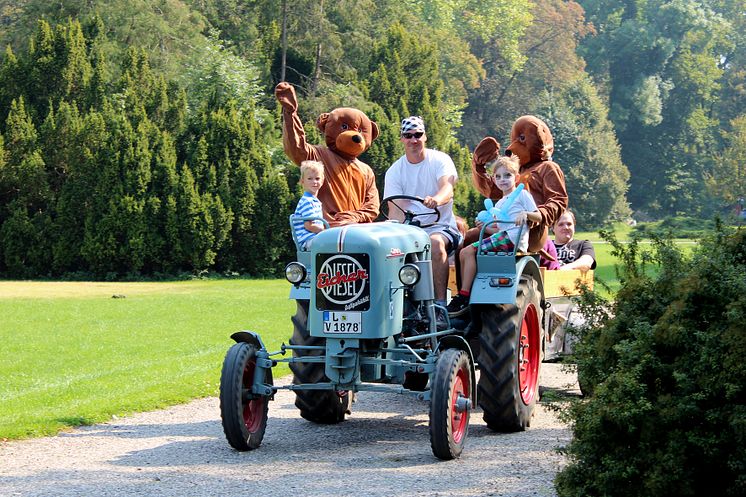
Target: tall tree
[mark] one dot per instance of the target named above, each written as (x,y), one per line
(727,181)
(588,153)
(659,61)
(169,29)
(548,62)
(26,195)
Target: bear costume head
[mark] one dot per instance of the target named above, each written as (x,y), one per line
(530,140)
(347,131)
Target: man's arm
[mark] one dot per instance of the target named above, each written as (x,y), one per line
(391,187)
(444,194)
(584,263)
(394,212)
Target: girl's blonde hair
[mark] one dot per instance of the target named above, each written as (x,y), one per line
(311,165)
(511,163)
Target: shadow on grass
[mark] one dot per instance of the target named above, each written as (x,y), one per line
(75,421)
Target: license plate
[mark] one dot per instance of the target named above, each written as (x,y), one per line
(343,322)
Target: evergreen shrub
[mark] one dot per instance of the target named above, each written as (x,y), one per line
(664,366)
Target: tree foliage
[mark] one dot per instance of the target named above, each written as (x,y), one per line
(587,150)
(126,99)
(665,365)
(667,67)
(117,177)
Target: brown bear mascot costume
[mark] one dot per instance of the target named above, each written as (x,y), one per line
(532,142)
(349,193)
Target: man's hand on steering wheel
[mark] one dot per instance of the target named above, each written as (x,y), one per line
(430,202)
(409,216)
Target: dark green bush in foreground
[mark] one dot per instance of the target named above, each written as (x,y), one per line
(666,364)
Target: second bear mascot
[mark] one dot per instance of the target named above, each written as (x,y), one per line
(532,142)
(349,194)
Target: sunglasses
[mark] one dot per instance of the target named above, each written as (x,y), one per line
(412,135)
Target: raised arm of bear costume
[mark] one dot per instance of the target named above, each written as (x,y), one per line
(532,142)
(349,194)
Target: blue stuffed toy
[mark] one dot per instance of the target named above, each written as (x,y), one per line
(492,213)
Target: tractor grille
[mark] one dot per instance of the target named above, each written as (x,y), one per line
(342,282)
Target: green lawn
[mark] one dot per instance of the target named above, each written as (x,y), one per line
(78,357)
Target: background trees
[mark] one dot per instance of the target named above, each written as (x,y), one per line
(143,138)
(664,65)
(114,177)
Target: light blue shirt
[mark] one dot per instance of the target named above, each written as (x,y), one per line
(308,206)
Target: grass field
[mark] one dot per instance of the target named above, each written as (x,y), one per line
(73,355)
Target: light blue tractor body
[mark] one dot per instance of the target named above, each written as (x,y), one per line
(375,252)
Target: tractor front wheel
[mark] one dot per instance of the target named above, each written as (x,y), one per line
(509,360)
(318,406)
(244,415)
(450,404)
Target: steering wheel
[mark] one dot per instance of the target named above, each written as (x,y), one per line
(409,216)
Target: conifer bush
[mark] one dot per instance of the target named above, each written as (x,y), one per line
(664,367)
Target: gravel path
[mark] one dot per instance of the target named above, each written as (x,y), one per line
(383,449)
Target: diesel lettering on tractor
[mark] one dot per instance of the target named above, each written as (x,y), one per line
(342,282)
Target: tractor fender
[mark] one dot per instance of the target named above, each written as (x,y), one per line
(460,343)
(485,291)
(300,292)
(529,266)
(250,337)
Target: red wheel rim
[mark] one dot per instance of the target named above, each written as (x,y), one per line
(528,355)
(253,410)
(459,420)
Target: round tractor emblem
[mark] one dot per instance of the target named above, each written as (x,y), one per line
(342,279)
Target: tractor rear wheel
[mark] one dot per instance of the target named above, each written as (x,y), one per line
(319,406)
(509,360)
(244,415)
(450,404)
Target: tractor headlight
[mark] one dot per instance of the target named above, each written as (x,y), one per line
(295,272)
(409,274)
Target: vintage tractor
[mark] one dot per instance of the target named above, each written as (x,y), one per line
(366,321)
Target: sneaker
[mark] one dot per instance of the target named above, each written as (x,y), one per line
(459,305)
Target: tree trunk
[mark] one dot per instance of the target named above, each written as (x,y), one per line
(317,68)
(284,39)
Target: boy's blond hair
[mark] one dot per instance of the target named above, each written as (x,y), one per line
(511,163)
(311,165)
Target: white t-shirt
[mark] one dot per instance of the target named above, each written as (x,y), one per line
(421,180)
(524,202)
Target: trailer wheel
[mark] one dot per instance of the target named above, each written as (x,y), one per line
(244,415)
(509,360)
(450,404)
(318,406)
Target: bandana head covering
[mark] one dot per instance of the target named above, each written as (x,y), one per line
(412,124)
